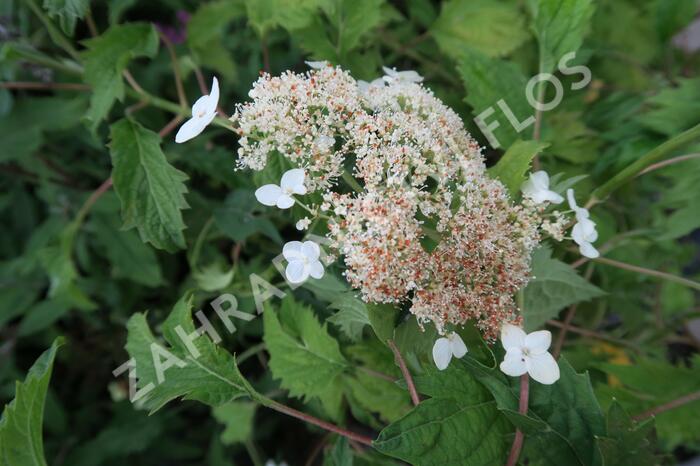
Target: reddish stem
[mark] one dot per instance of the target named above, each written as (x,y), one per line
(519,436)
(406,374)
(668,406)
(279,407)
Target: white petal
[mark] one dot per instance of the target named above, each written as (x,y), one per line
(200,108)
(571,199)
(540,180)
(285,201)
(390,71)
(513,364)
(296,271)
(457,346)
(213,100)
(316,269)
(293,180)
(268,194)
(512,336)
(528,188)
(584,232)
(538,342)
(442,353)
(292,251)
(192,128)
(588,250)
(310,250)
(543,368)
(553,197)
(316,65)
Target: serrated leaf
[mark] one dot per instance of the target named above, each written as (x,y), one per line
(650,383)
(151,190)
(554,286)
(213,277)
(515,163)
(131,259)
(673,109)
(21,440)
(626,442)
(483,93)
(382,318)
(212,378)
(302,354)
(241,216)
(68,12)
(491,27)
(351,316)
(456,426)
(560,26)
(107,57)
(237,416)
(563,418)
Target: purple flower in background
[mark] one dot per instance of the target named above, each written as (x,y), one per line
(176,34)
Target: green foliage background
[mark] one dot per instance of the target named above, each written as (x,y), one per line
(113,235)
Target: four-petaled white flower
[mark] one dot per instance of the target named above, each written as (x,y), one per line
(584,232)
(281,196)
(410,76)
(537,188)
(528,353)
(203,112)
(317,65)
(302,261)
(446,347)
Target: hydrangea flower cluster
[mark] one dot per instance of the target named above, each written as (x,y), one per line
(423,180)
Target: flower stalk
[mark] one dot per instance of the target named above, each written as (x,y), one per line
(519,436)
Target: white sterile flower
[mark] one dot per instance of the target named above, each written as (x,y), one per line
(364,86)
(317,65)
(302,261)
(292,182)
(303,224)
(537,188)
(203,112)
(446,347)
(410,76)
(528,353)
(584,232)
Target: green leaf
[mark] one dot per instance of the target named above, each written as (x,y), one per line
(382,318)
(21,442)
(554,286)
(213,277)
(515,163)
(302,353)
(627,443)
(483,94)
(570,138)
(493,28)
(24,128)
(151,190)
(459,425)
(241,216)
(560,26)
(212,378)
(563,418)
(131,259)
(351,316)
(206,30)
(237,416)
(650,383)
(674,109)
(107,57)
(68,12)
(341,454)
